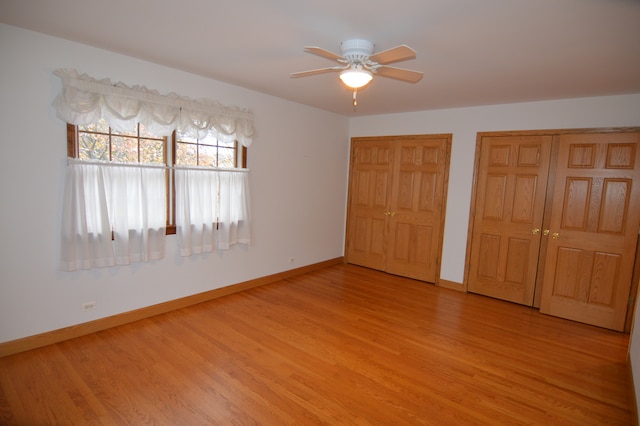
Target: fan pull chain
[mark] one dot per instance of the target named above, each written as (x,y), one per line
(355,101)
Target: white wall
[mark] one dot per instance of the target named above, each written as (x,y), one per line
(298,163)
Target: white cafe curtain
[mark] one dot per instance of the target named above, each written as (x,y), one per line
(212,209)
(112,215)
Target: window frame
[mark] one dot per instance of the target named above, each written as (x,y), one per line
(170,147)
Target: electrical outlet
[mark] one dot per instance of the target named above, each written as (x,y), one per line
(88,306)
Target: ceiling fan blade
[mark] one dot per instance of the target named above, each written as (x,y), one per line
(322,52)
(395,54)
(400,74)
(314,72)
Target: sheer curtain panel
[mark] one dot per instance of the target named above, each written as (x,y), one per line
(112,215)
(212,209)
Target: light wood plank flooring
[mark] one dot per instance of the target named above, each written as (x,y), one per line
(343,345)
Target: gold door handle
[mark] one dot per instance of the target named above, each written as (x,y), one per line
(390,214)
(535,231)
(545,232)
(555,235)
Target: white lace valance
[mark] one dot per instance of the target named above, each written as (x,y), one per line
(85,100)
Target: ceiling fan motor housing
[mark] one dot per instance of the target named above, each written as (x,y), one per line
(356,50)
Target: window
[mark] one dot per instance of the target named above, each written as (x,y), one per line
(207,152)
(125,190)
(98,142)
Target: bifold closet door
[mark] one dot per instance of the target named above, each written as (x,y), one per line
(397,203)
(415,213)
(593,232)
(369,198)
(508,216)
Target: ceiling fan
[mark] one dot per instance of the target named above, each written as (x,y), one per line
(358,63)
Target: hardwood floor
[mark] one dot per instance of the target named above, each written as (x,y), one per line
(343,345)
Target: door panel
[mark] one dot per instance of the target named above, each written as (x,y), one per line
(507,223)
(416,208)
(370,188)
(594,228)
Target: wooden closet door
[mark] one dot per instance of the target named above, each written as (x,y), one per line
(397,202)
(594,228)
(508,217)
(369,199)
(415,218)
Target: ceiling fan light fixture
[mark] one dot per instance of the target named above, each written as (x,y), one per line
(356,78)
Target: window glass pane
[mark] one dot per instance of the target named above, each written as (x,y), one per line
(184,138)
(101,127)
(144,133)
(124,149)
(186,154)
(151,151)
(87,127)
(231,144)
(133,133)
(93,146)
(207,156)
(209,140)
(226,157)
(206,152)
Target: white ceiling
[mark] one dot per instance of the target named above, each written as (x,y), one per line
(472,52)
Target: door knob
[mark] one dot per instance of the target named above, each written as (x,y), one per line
(535,231)
(555,235)
(545,232)
(390,213)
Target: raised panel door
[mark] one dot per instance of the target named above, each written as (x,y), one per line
(372,165)
(416,208)
(593,229)
(508,217)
